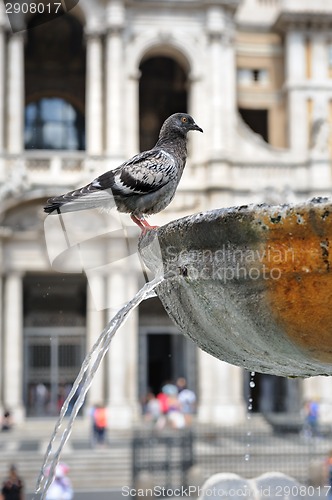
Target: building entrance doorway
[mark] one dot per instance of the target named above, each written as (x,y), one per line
(165,356)
(54,339)
(52,359)
(163,90)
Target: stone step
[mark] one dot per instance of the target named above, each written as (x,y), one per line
(105,468)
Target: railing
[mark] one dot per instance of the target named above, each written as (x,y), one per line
(250,450)
(167,456)
(44,168)
(19,173)
(269,3)
(51,163)
(306,5)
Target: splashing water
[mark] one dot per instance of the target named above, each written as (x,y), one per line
(83,381)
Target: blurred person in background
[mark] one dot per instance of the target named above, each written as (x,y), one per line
(312,417)
(99,417)
(6,421)
(61,488)
(187,400)
(12,487)
(152,409)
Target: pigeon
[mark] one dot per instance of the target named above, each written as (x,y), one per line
(141,186)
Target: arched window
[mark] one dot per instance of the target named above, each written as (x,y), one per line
(55,84)
(53,123)
(163,90)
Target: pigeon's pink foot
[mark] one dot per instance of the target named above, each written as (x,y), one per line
(142,223)
(148,228)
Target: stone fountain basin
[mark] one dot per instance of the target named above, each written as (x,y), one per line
(251,285)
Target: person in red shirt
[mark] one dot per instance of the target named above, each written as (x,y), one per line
(100,424)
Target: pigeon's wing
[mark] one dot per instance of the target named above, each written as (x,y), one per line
(144,173)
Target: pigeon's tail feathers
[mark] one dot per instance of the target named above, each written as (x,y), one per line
(81,199)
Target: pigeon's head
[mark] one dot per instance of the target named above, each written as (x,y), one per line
(179,123)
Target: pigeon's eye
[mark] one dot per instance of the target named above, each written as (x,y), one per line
(184,119)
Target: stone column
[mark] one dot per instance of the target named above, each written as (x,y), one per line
(221,88)
(13,345)
(132,110)
(320,76)
(295,56)
(95,323)
(94,94)
(15,92)
(319,61)
(122,357)
(114,82)
(2,77)
(197,110)
(220,29)
(217,142)
(1,328)
(295,76)
(221,398)
(297,121)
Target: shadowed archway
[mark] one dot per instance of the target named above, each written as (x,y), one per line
(163,90)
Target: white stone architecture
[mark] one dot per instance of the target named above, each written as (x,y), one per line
(82,93)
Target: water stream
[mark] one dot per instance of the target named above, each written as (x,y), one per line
(83,382)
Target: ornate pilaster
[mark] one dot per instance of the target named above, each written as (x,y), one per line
(295,77)
(132,110)
(220,30)
(320,63)
(95,324)
(220,391)
(15,92)
(295,57)
(122,358)
(1,324)
(2,78)
(114,81)
(197,110)
(94,94)
(13,345)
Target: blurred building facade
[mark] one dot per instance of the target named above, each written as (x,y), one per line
(84,92)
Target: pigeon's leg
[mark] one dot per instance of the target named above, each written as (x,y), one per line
(147,225)
(142,223)
(137,221)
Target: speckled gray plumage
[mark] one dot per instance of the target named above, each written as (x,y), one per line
(143,185)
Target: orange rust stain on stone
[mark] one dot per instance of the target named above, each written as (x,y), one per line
(298,256)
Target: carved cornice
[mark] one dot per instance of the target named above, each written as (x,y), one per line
(303,21)
(230,5)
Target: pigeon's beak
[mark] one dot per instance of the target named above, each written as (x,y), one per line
(196,127)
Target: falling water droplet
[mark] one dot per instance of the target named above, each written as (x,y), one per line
(252,380)
(249,414)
